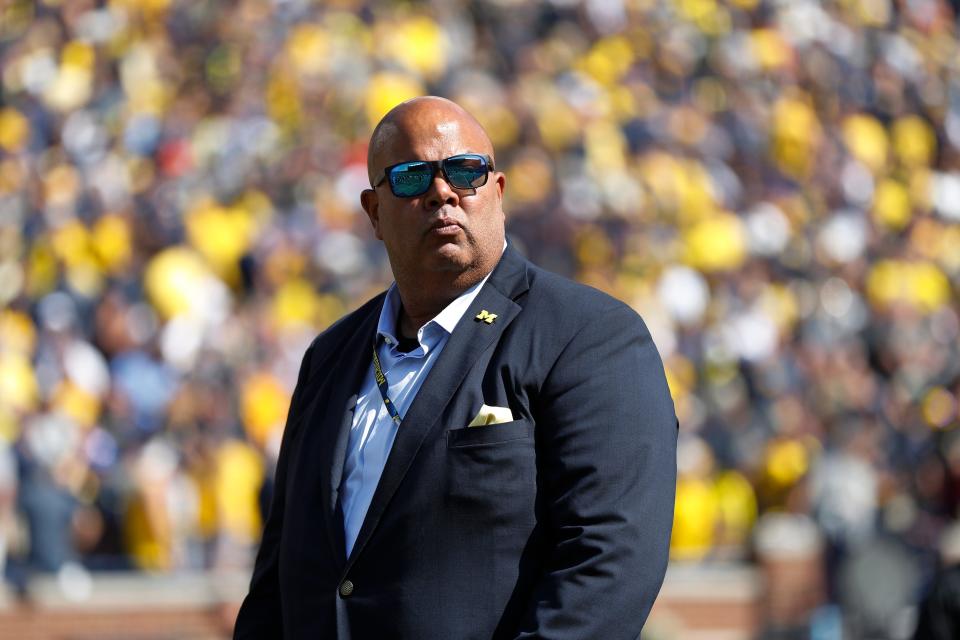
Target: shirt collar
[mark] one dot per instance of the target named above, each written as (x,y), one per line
(446,320)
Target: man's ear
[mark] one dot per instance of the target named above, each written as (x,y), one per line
(371,204)
(501,180)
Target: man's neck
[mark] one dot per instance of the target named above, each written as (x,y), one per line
(420,304)
(424,296)
(417,312)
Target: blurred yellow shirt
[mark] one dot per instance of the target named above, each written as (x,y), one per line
(240,472)
(694,519)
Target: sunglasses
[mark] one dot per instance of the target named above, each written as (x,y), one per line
(409,179)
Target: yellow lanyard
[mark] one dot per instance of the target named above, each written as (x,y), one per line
(382,385)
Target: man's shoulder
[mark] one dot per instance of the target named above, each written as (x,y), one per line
(561,308)
(551,289)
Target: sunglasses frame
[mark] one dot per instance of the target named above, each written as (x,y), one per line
(437,165)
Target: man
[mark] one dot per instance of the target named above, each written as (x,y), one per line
(486,450)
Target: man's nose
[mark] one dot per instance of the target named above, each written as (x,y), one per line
(440,193)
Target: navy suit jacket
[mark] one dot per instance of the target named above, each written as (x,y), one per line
(554,525)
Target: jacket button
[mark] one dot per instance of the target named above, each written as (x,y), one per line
(346,588)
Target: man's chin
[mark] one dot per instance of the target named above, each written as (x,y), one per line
(449,266)
(451,257)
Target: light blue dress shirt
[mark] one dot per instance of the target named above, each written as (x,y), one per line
(373,431)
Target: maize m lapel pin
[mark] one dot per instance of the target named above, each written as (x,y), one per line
(485,316)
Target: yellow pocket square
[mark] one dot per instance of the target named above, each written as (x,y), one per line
(491,415)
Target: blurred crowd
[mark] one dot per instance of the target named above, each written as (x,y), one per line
(773,184)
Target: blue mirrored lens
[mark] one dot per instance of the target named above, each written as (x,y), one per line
(410,178)
(466,172)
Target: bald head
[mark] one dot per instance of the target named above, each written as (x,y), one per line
(420,119)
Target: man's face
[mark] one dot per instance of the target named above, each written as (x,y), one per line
(455,232)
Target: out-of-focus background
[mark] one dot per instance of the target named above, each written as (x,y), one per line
(773,184)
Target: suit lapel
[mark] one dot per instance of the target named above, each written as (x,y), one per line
(469,340)
(329,423)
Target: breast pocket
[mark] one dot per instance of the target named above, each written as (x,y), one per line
(491,472)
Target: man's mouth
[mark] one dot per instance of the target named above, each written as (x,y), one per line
(445,227)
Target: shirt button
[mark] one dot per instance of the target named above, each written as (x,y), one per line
(346,588)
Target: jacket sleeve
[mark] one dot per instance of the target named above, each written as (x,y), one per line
(260,614)
(607,438)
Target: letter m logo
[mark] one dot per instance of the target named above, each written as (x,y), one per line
(486,316)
